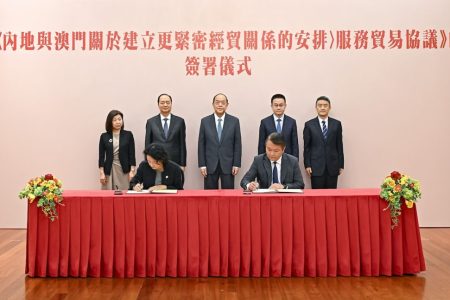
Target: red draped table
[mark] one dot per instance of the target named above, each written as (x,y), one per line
(344,232)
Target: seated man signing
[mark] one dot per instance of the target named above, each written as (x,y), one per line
(158,172)
(273,169)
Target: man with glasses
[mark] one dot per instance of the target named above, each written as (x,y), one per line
(219,146)
(280,123)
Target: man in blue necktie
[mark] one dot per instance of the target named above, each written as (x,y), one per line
(273,169)
(168,130)
(323,152)
(280,123)
(219,146)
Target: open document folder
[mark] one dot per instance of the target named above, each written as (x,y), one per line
(262,191)
(153,192)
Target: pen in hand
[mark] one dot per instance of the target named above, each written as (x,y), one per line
(138,187)
(253,186)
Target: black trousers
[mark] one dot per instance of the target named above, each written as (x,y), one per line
(211,181)
(324,182)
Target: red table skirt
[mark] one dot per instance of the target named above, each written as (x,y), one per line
(223,233)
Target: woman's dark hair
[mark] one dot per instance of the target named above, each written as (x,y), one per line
(109,119)
(157,152)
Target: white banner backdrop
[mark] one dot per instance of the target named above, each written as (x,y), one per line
(383,64)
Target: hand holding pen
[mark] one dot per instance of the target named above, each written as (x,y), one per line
(253,186)
(138,187)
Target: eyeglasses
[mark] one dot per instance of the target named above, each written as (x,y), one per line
(218,102)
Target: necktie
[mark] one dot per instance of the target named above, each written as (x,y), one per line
(324,130)
(275,173)
(219,128)
(166,128)
(279,125)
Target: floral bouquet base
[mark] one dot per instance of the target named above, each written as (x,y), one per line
(46,191)
(398,189)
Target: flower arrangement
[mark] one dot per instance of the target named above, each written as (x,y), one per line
(46,191)
(396,189)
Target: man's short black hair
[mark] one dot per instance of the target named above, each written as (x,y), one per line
(325,98)
(277,139)
(277,96)
(157,152)
(170,97)
(214,98)
(110,117)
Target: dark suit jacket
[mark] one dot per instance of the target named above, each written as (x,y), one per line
(261,170)
(227,151)
(127,155)
(175,144)
(319,154)
(289,132)
(172,176)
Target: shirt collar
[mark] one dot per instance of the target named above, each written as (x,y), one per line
(168,117)
(278,161)
(216,117)
(320,119)
(276,118)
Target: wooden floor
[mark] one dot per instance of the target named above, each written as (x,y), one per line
(432,284)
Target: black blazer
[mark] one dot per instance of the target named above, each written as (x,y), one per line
(319,154)
(172,176)
(175,144)
(261,170)
(227,151)
(127,155)
(289,132)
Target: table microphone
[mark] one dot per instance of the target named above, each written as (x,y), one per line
(117,191)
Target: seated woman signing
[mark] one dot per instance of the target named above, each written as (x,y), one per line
(157,172)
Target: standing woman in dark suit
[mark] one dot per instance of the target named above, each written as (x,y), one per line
(116,157)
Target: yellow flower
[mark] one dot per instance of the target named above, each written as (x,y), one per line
(409,204)
(404,179)
(391,182)
(31,197)
(50,196)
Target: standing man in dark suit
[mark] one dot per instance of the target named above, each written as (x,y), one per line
(219,146)
(323,148)
(168,130)
(281,123)
(274,169)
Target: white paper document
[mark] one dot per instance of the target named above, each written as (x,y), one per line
(297,191)
(153,192)
(136,192)
(164,191)
(264,191)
